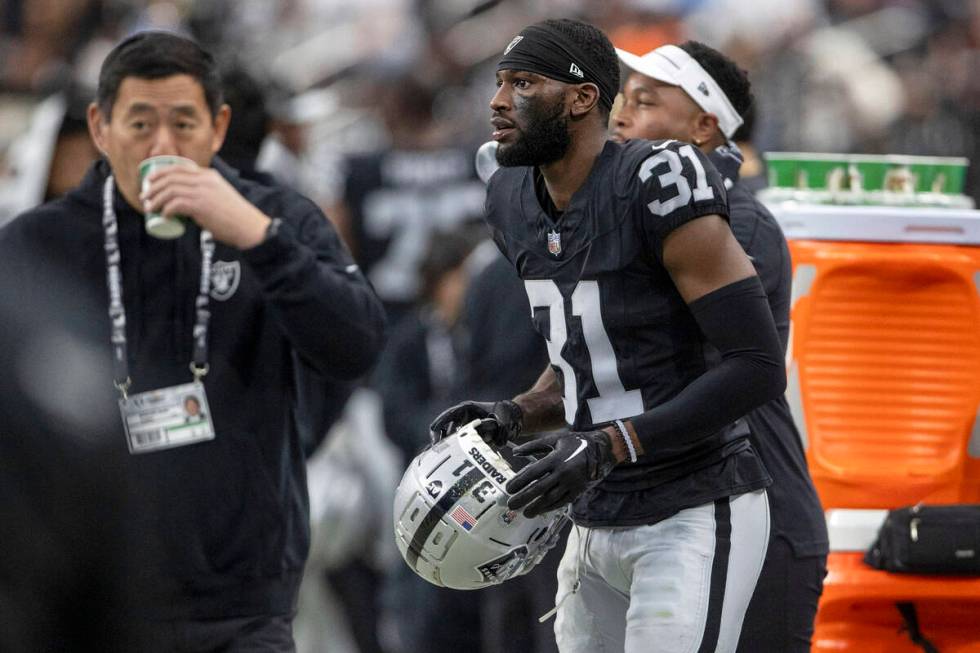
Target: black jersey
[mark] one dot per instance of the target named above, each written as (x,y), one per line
(398,199)
(620,337)
(796,513)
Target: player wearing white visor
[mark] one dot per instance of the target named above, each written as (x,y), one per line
(674,66)
(694,93)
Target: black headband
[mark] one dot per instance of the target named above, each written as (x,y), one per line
(546,51)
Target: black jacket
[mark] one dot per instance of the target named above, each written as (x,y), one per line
(222,525)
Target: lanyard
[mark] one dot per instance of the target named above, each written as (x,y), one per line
(117,310)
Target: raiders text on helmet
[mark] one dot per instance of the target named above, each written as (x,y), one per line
(452,524)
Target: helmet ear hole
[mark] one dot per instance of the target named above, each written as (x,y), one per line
(452,524)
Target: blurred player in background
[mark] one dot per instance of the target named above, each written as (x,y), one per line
(416,378)
(500,336)
(633,277)
(662,98)
(398,199)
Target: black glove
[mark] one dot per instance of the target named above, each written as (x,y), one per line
(574,462)
(507,418)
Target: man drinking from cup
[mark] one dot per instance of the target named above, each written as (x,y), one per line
(252,300)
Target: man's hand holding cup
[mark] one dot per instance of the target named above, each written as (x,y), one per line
(178,187)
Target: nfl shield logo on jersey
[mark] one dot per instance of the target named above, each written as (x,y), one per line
(554,242)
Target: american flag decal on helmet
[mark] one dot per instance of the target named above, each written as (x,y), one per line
(463,518)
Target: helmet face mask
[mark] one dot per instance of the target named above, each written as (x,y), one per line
(452,524)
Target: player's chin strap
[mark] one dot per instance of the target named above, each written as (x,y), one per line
(580,556)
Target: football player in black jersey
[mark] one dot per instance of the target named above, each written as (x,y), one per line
(660,340)
(403,196)
(661,102)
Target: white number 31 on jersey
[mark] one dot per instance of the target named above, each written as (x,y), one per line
(675,177)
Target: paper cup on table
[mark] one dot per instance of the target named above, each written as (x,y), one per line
(157,224)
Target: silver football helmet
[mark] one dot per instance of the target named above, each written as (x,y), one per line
(452,524)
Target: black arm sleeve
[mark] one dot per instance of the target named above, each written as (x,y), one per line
(737,321)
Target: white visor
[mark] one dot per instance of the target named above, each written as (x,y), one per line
(674,66)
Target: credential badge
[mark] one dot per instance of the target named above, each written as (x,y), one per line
(554,242)
(225,276)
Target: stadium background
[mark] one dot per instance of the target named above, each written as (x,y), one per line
(321,84)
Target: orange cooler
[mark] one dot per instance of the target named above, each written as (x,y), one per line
(884,384)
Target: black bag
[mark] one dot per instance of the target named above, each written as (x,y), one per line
(929,540)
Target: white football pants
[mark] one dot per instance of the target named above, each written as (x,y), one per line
(681,585)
